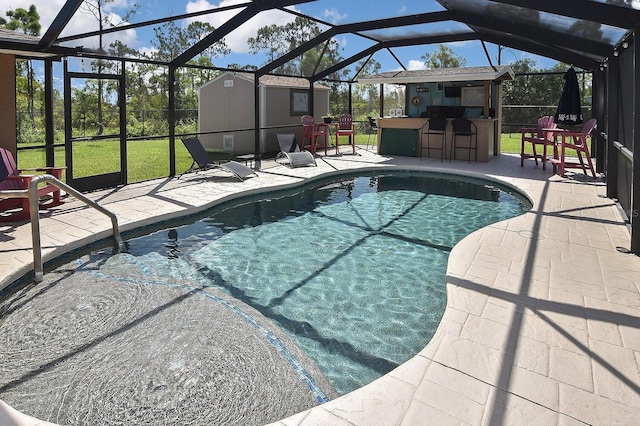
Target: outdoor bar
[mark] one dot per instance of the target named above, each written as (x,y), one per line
(473,93)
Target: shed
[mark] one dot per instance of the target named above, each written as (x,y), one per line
(226,114)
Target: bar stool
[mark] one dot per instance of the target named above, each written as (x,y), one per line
(434,126)
(465,128)
(373,129)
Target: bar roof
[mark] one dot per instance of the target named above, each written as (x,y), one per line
(501,73)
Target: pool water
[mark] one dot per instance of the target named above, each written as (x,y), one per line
(353,270)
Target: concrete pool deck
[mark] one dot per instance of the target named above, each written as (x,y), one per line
(543,313)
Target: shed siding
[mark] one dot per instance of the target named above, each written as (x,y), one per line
(232,108)
(226,108)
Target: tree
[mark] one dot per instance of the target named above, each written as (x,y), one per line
(277,40)
(270,39)
(535,92)
(96,8)
(366,97)
(83,111)
(171,41)
(532,86)
(443,57)
(28,22)
(237,66)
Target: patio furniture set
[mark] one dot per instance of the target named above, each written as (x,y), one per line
(316,135)
(561,140)
(546,135)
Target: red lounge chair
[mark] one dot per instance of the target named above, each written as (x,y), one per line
(18,208)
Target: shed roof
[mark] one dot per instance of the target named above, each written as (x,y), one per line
(285,81)
(272,80)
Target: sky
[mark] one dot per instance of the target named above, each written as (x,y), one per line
(331,11)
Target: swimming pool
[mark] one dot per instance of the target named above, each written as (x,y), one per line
(352,270)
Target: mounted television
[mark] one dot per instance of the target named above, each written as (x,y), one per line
(452,91)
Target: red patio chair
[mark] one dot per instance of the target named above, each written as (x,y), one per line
(576,141)
(311,132)
(18,208)
(346,128)
(537,137)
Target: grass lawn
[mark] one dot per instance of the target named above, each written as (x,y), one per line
(146,159)
(149,159)
(510,143)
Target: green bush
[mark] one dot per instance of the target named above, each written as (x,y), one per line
(29,131)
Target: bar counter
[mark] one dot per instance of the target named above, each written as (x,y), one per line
(402,136)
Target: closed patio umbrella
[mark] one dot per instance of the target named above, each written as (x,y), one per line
(569,111)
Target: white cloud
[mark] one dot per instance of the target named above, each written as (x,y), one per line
(237,39)
(79,23)
(461,44)
(416,64)
(342,41)
(333,16)
(84,21)
(120,4)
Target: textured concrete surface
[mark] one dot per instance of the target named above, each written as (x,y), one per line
(543,314)
(110,339)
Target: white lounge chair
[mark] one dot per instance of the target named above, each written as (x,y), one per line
(290,151)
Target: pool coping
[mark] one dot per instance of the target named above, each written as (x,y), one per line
(523,336)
